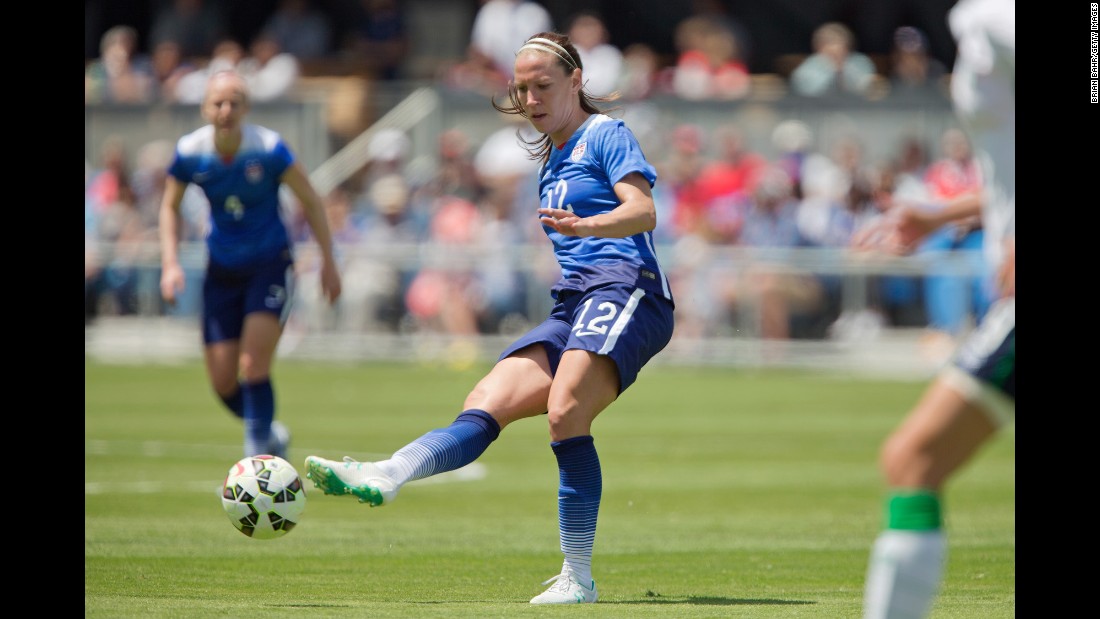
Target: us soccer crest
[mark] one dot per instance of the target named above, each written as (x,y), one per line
(578,151)
(254,172)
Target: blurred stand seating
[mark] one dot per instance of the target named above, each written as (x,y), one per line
(340,105)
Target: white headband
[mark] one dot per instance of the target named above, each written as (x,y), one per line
(546,45)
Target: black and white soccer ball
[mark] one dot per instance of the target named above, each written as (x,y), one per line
(263,496)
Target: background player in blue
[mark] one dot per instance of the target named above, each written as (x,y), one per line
(250,271)
(975,394)
(613,312)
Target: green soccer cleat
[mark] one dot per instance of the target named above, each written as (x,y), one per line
(363,479)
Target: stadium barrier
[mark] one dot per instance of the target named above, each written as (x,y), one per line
(154,330)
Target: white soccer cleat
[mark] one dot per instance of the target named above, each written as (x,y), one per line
(363,479)
(279,445)
(566,590)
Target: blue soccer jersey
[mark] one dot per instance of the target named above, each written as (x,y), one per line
(246,224)
(580,177)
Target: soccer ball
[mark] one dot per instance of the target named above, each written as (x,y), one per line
(263,496)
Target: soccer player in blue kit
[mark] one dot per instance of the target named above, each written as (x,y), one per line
(613,312)
(249,279)
(974,395)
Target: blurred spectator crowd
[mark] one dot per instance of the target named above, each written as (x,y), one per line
(449,249)
(185,40)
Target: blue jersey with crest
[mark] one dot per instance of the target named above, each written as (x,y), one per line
(580,177)
(246,224)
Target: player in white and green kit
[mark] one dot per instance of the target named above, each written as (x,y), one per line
(975,394)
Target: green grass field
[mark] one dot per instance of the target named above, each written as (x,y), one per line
(726,494)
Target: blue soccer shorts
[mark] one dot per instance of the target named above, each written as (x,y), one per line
(230,295)
(626,323)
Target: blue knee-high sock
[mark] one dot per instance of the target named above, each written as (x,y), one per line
(443,449)
(235,402)
(580,487)
(259,410)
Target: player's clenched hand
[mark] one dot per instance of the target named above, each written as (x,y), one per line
(172,282)
(898,233)
(911,226)
(330,282)
(560,220)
